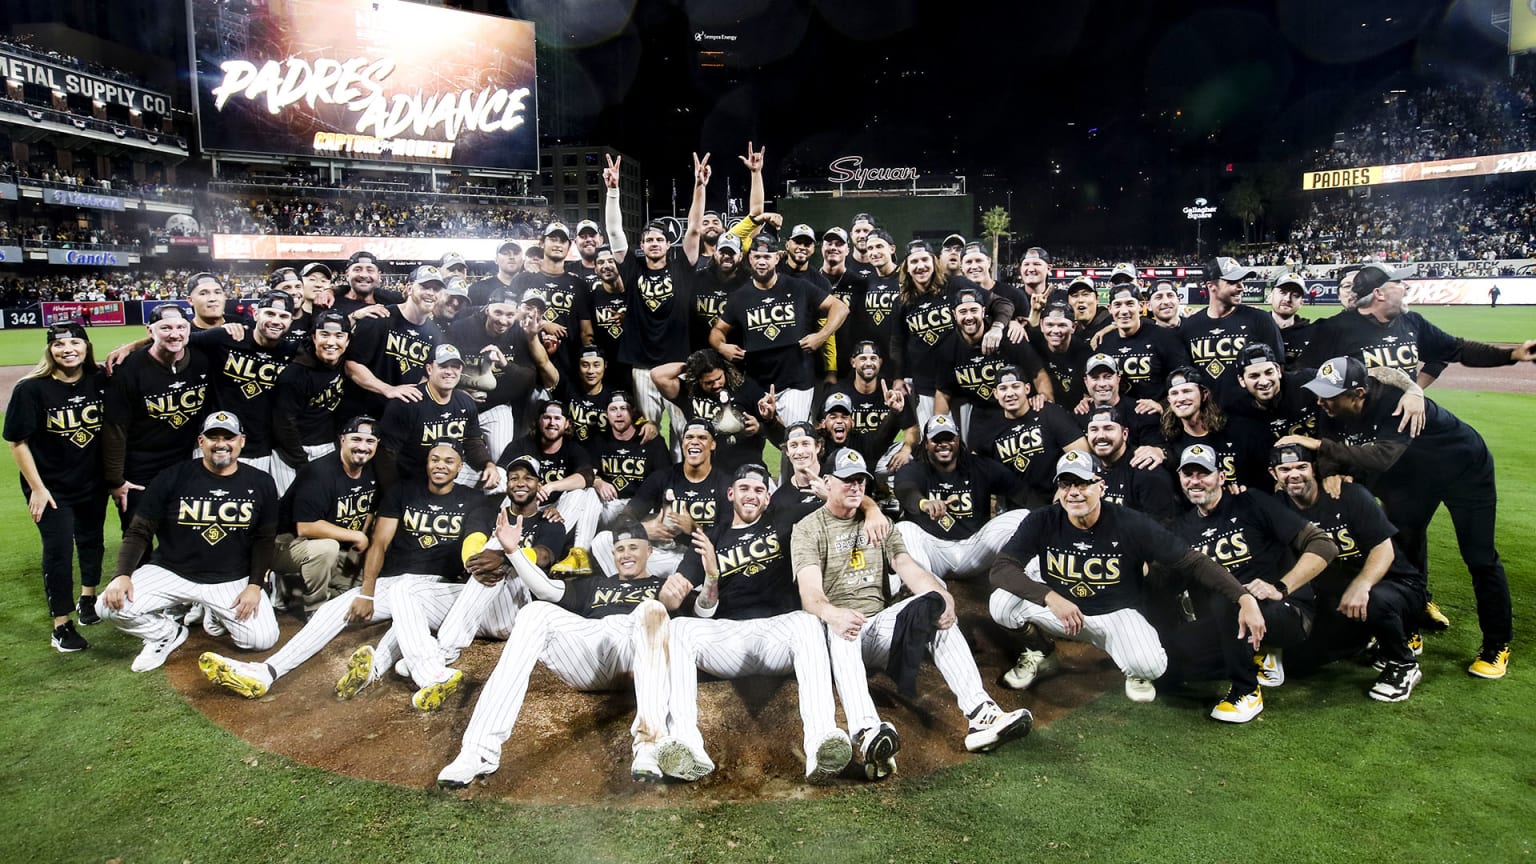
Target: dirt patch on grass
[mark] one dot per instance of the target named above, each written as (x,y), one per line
(573,748)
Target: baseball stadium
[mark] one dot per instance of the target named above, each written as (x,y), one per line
(461,430)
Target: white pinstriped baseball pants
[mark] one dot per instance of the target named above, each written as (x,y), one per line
(949,650)
(1124,634)
(421,606)
(960,558)
(331,618)
(157,590)
(587,654)
(726,648)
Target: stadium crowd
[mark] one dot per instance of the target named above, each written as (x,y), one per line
(482,459)
(375,218)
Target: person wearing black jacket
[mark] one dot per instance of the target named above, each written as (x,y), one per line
(1448,464)
(53,425)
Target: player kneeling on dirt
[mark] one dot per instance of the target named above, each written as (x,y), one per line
(589,632)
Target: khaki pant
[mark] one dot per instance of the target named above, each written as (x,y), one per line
(314,569)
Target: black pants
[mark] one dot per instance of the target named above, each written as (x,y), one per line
(1208,648)
(1394,610)
(65,530)
(1464,484)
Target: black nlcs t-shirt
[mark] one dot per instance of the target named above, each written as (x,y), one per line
(1242,451)
(1294,411)
(1066,368)
(756,579)
(160,411)
(872,316)
(394,350)
(599,596)
(244,376)
(205,524)
(569,459)
(61,424)
(659,302)
(969,489)
(515,380)
(1099,569)
(432,528)
(1030,445)
(587,413)
(1405,342)
(1145,490)
(307,394)
(409,429)
(607,312)
(1145,358)
(539,531)
(705,500)
(768,325)
(735,450)
(626,464)
(1356,524)
(1250,534)
(709,299)
(322,492)
(1214,343)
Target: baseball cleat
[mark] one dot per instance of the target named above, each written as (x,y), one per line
(578,562)
(1139,689)
(67,640)
(402,668)
(1239,709)
(430,697)
(682,761)
(194,615)
(250,680)
(645,768)
(1415,647)
(87,607)
(1395,682)
(154,653)
(359,673)
(1491,662)
(1271,669)
(1434,619)
(213,625)
(1031,666)
(877,748)
(464,770)
(829,758)
(991,727)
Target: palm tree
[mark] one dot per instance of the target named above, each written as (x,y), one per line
(994,225)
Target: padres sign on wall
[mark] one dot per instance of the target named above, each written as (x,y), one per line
(380,80)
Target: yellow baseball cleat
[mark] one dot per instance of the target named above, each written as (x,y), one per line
(578,562)
(430,697)
(359,673)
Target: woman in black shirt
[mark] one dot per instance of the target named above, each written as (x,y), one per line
(53,425)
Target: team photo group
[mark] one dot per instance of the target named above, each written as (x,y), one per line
(746,448)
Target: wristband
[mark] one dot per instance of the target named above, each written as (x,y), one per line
(368,597)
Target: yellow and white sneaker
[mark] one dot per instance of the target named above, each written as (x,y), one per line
(1491,662)
(1239,709)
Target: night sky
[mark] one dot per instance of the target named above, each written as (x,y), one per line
(1095,115)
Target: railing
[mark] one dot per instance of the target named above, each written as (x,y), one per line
(121,130)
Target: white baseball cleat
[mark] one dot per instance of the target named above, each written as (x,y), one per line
(681,760)
(829,757)
(1139,689)
(645,768)
(877,748)
(1031,666)
(154,653)
(464,770)
(991,727)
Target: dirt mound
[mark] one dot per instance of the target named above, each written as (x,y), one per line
(573,748)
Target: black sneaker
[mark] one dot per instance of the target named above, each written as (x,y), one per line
(88,614)
(66,640)
(1395,682)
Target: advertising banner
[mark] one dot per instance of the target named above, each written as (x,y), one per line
(103,312)
(23,316)
(10,255)
(379,80)
(1513,291)
(84,258)
(8,192)
(74,198)
(148,307)
(286,247)
(24,68)
(1407,172)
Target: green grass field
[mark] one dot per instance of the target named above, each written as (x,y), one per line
(101,764)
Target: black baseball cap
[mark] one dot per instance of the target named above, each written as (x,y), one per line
(1286,454)
(324,319)
(356,424)
(317,267)
(167,310)
(66,330)
(362,257)
(197,279)
(275,299)
(1256,352)
(1337,376)
(282,276)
